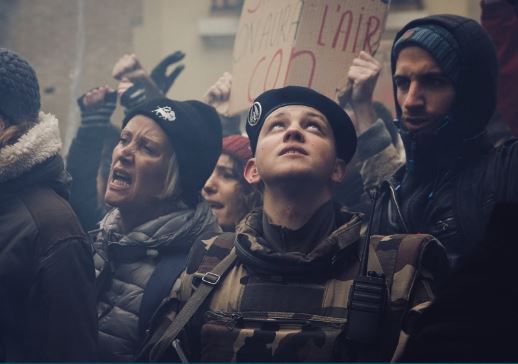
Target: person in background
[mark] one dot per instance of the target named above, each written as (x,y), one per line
(500,19)
(445,73)
(166,151)
(230,196)
(47,288)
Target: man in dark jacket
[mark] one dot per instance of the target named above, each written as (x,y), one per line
(47,293)
(445,76)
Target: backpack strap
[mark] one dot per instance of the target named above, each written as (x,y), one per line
(159,285)
(386,251)
(160,342)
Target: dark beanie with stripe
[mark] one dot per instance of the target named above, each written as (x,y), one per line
(437,41)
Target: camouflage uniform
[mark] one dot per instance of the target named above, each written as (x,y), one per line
(274,306)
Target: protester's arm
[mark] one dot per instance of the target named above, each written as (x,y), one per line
(85,152)
(135,84)
(362,77)
(378,156)
(218,96)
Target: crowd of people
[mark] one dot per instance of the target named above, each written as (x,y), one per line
(327,233)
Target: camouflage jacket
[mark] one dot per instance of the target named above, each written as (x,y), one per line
(273,306)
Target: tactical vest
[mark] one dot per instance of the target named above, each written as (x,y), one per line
(258,317)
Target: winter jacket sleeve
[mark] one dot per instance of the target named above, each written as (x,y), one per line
(380,158)
(500,19)
(63,305)
(52,259)
(83,162)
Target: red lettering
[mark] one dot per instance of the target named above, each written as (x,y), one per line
(278,53)
(312,58)
(368,35)
(320,42)
(357,32)
(249,93)
(346,32)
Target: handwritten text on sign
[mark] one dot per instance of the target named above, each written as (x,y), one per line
(308,43)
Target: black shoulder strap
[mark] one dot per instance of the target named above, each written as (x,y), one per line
(168,269)
(161,341)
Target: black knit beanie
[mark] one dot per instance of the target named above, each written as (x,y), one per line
(194,129)
(19,89)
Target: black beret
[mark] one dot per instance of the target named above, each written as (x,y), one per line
(194,129)
(271,100)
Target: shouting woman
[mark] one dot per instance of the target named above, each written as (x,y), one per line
(167,150)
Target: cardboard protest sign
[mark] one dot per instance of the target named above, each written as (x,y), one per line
(301,42)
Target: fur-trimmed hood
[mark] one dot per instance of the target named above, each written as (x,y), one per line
(40,143)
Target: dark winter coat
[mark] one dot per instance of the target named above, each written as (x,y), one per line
(453,177)
(474,317)
(47,293)
(125,263)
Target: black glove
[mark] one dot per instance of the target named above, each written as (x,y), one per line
(159,76)
(100,114)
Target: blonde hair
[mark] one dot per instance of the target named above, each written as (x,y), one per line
(172,186)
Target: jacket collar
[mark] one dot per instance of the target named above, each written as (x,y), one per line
(36,146)
(256,253)
(174,231)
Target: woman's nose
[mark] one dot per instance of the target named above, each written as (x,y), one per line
(210,186)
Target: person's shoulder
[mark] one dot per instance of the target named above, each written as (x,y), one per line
(52,215)
(207,252)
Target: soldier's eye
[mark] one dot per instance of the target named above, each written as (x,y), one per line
(275,125)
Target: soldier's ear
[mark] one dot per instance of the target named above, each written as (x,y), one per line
(339,171)
(251,174)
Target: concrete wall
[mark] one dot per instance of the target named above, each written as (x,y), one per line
(170,25)
(72,44)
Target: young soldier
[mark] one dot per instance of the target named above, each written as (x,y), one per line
(283,292)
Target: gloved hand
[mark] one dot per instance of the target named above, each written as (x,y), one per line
(135,86)
(158,74)
(97,105)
